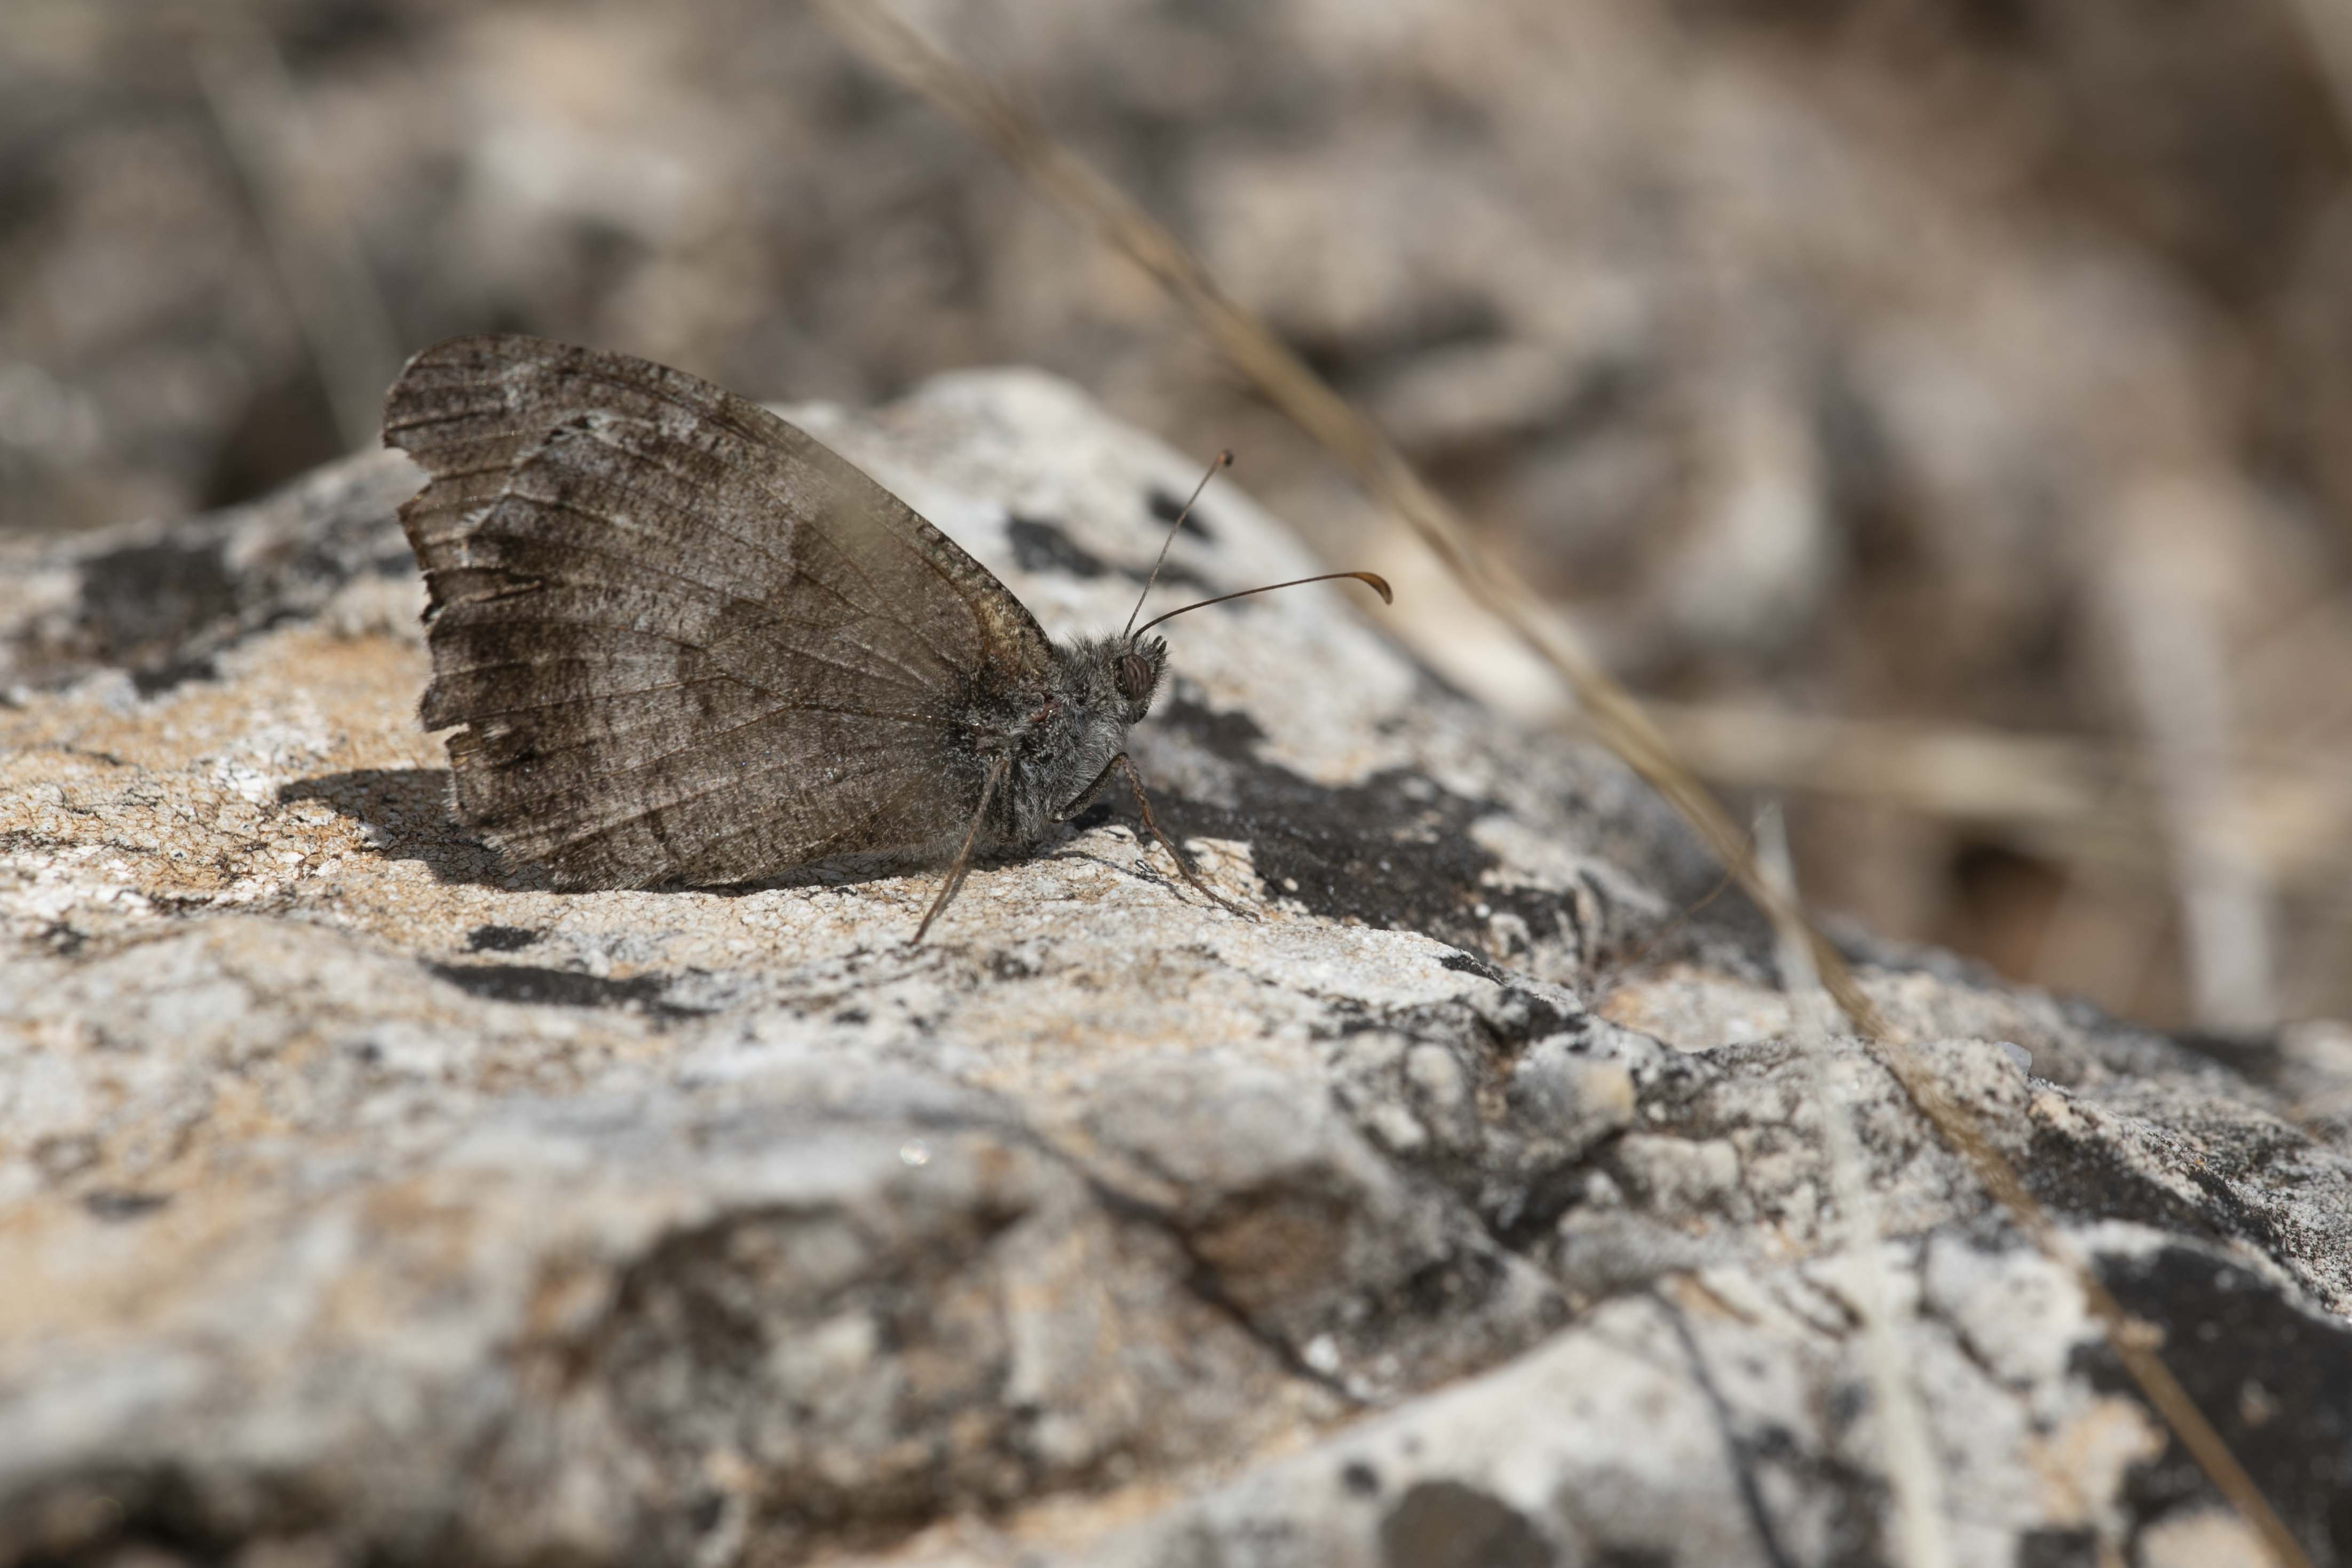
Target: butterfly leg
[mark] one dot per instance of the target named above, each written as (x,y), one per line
(1143,806)
(963,855)
(1078,801)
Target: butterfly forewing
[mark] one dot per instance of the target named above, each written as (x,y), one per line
(687,642)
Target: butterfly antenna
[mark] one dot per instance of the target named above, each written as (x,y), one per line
(1224,459)
(1379,584)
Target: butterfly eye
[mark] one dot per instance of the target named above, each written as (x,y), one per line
(1134,677)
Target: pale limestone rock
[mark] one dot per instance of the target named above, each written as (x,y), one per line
(367,1201)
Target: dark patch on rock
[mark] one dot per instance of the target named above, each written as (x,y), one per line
(1453,1290)
(1462,962)
(1040,546)
(2275,1380)
(1444,1524)
(2082,1179)
(1518,1016)
(535,985)
(118,1203)
(1360,1479)
(1231,734)
(500,939)
(154,680)
(2058,1549)
(163,606)
(1007,964)
(1166,506)
(1395,851)
(143,605)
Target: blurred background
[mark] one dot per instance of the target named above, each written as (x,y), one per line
(1942,409)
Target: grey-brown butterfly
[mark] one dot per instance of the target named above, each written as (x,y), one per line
(684,642)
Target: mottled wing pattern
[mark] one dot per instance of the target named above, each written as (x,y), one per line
(686,641)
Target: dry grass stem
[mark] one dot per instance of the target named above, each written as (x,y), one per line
(1953,772)
(2174,666)
(2072,800)
(1285,381)
(2329,24)
(1910,1456)
(320,265)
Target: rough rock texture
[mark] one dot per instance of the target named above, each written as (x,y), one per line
(366,1202)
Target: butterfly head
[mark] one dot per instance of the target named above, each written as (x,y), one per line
(1133,666)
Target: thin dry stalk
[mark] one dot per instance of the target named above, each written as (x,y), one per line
(2282,819)
(2327,24)
(1286,382)
(336,305)
(1910,1456)
(2173,661)
(1948,771)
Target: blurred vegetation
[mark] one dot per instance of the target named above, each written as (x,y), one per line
(1941,408)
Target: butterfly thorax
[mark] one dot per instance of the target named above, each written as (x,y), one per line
(1057,738)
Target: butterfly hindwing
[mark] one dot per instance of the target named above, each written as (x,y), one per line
(686,641)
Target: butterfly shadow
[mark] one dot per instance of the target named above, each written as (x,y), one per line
(840,871)
(849,870)
(408,812)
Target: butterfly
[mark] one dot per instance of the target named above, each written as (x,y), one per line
(684,642)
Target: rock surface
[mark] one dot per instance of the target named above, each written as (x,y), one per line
(367,1202)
